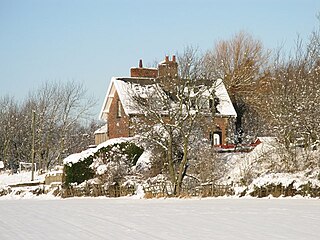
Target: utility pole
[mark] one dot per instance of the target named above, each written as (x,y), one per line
(33,141)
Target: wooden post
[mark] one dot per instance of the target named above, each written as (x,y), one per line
(33,143)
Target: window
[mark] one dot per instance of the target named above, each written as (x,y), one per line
(119,114)
(213,104)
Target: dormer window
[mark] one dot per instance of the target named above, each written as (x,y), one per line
(119,113)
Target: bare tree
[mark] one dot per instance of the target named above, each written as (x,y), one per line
(173,106)
(9,141)
(62,113)
(242,63)
(293,99)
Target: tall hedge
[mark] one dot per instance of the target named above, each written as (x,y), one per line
(128,149)
(81,171)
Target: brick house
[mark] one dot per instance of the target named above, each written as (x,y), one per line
(117,110)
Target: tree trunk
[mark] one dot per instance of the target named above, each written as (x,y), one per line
(171,164)
(182,166)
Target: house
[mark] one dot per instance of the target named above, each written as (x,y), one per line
(117,109)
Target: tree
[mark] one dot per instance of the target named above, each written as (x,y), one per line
(9,114)
(62,111)
(242,63)
(173,107)
(293,100)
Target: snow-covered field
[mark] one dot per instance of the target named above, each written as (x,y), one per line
(126,218)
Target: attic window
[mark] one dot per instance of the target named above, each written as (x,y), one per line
(119,114)
(213,104)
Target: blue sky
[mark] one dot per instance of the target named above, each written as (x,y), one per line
(89,41)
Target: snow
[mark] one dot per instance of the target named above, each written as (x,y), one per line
(241,162)
(125,218)
(24,193)
(102,169)
(225,106)
(76,157)
(285,179)
(23,177)
(103,129)
(256,165)
(139,194)
(126,89)
(144,161)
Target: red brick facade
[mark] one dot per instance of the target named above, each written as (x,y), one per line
(222,123)
(166,68)
(144,72)
(118,124)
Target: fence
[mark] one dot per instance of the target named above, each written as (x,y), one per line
(165,189)
(155,190)
(286,191)
(96,190)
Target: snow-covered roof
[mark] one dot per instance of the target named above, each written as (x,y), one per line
(103,129)
(225,106)
(125,86)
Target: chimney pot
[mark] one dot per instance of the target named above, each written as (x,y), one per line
(173,58)
(140,64)
(167,58)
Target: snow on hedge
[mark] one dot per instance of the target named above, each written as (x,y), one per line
(144,161)
(285,179)
(76,157)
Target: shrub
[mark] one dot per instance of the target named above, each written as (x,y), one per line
(128,151)
(79,172)
(118,159)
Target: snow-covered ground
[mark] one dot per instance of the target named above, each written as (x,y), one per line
(23,177)
(125,218)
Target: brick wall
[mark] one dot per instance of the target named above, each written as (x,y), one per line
(144,72)
(117,126)
(209,127)
(168,68)
(223,124)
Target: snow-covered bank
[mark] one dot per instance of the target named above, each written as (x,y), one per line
(10,179)
(19,186)
(120,218)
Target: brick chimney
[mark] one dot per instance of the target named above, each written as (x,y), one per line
(168,68)
(143,72)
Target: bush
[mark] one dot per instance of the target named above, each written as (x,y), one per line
(79,172)
(126,150)
(119,157)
